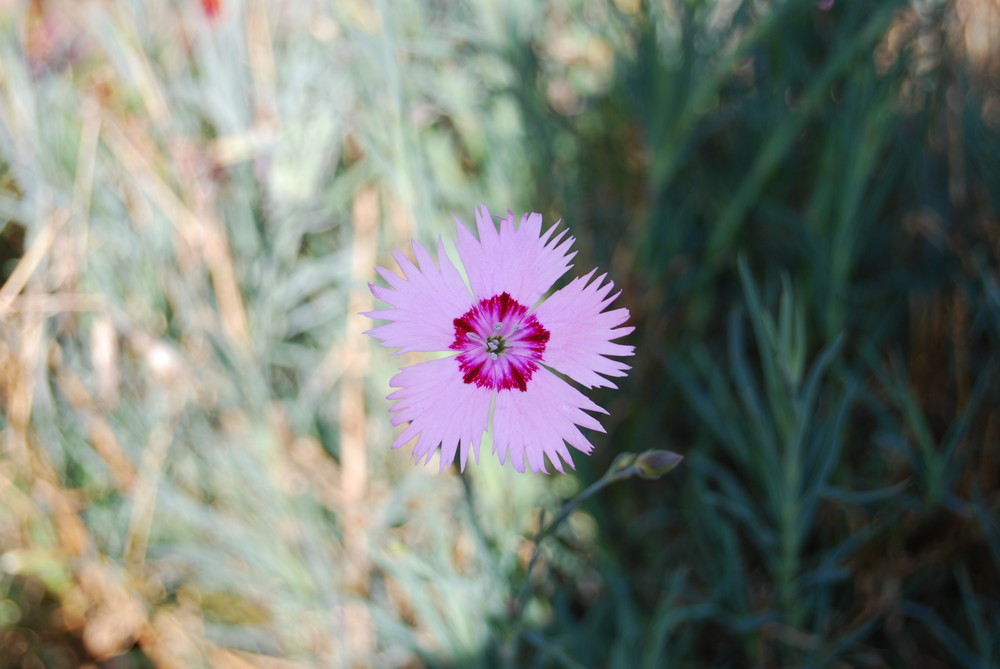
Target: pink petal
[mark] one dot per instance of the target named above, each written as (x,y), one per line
(442,409)
(581,332)
(535,423)
(425,300)
(522,262)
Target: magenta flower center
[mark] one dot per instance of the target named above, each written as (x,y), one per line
(501,343)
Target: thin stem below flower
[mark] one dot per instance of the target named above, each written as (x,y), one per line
(616,472)
(650,464)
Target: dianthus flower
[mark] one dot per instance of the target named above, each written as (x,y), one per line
(505,342)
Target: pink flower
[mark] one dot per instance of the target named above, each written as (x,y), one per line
(505,341)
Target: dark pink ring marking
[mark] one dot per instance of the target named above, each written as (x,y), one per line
(501,343)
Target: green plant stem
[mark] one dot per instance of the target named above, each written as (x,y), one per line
(613,474)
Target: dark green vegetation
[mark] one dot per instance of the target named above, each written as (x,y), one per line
(803,209)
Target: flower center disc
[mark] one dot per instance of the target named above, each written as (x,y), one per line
(501,343)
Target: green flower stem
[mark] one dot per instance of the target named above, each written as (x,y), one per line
(650,464)
(569,507)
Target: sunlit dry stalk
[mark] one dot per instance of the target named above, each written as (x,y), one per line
(139,68)
(976,27)
(327,374)
(400,221)
(25,337)
(260,50)
(134,151)
(246,145)
(335,362)
(102,437)
(308,460)
(56,303)
(198,229)
(174,638)
(105,606)
(32,257)
(63,507)
(192,168)
(224,658)
(104,353)
(90,130)
(353,437)
(144,495)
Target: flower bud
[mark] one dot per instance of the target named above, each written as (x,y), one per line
(653,464)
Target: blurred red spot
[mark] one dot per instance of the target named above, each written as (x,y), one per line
(211,8)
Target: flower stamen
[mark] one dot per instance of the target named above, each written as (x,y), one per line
(501,343)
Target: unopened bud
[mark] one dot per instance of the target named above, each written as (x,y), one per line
(653,464)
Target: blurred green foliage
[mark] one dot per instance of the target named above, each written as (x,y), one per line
(798,199)
(840,496)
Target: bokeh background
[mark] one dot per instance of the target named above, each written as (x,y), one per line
(798,198)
